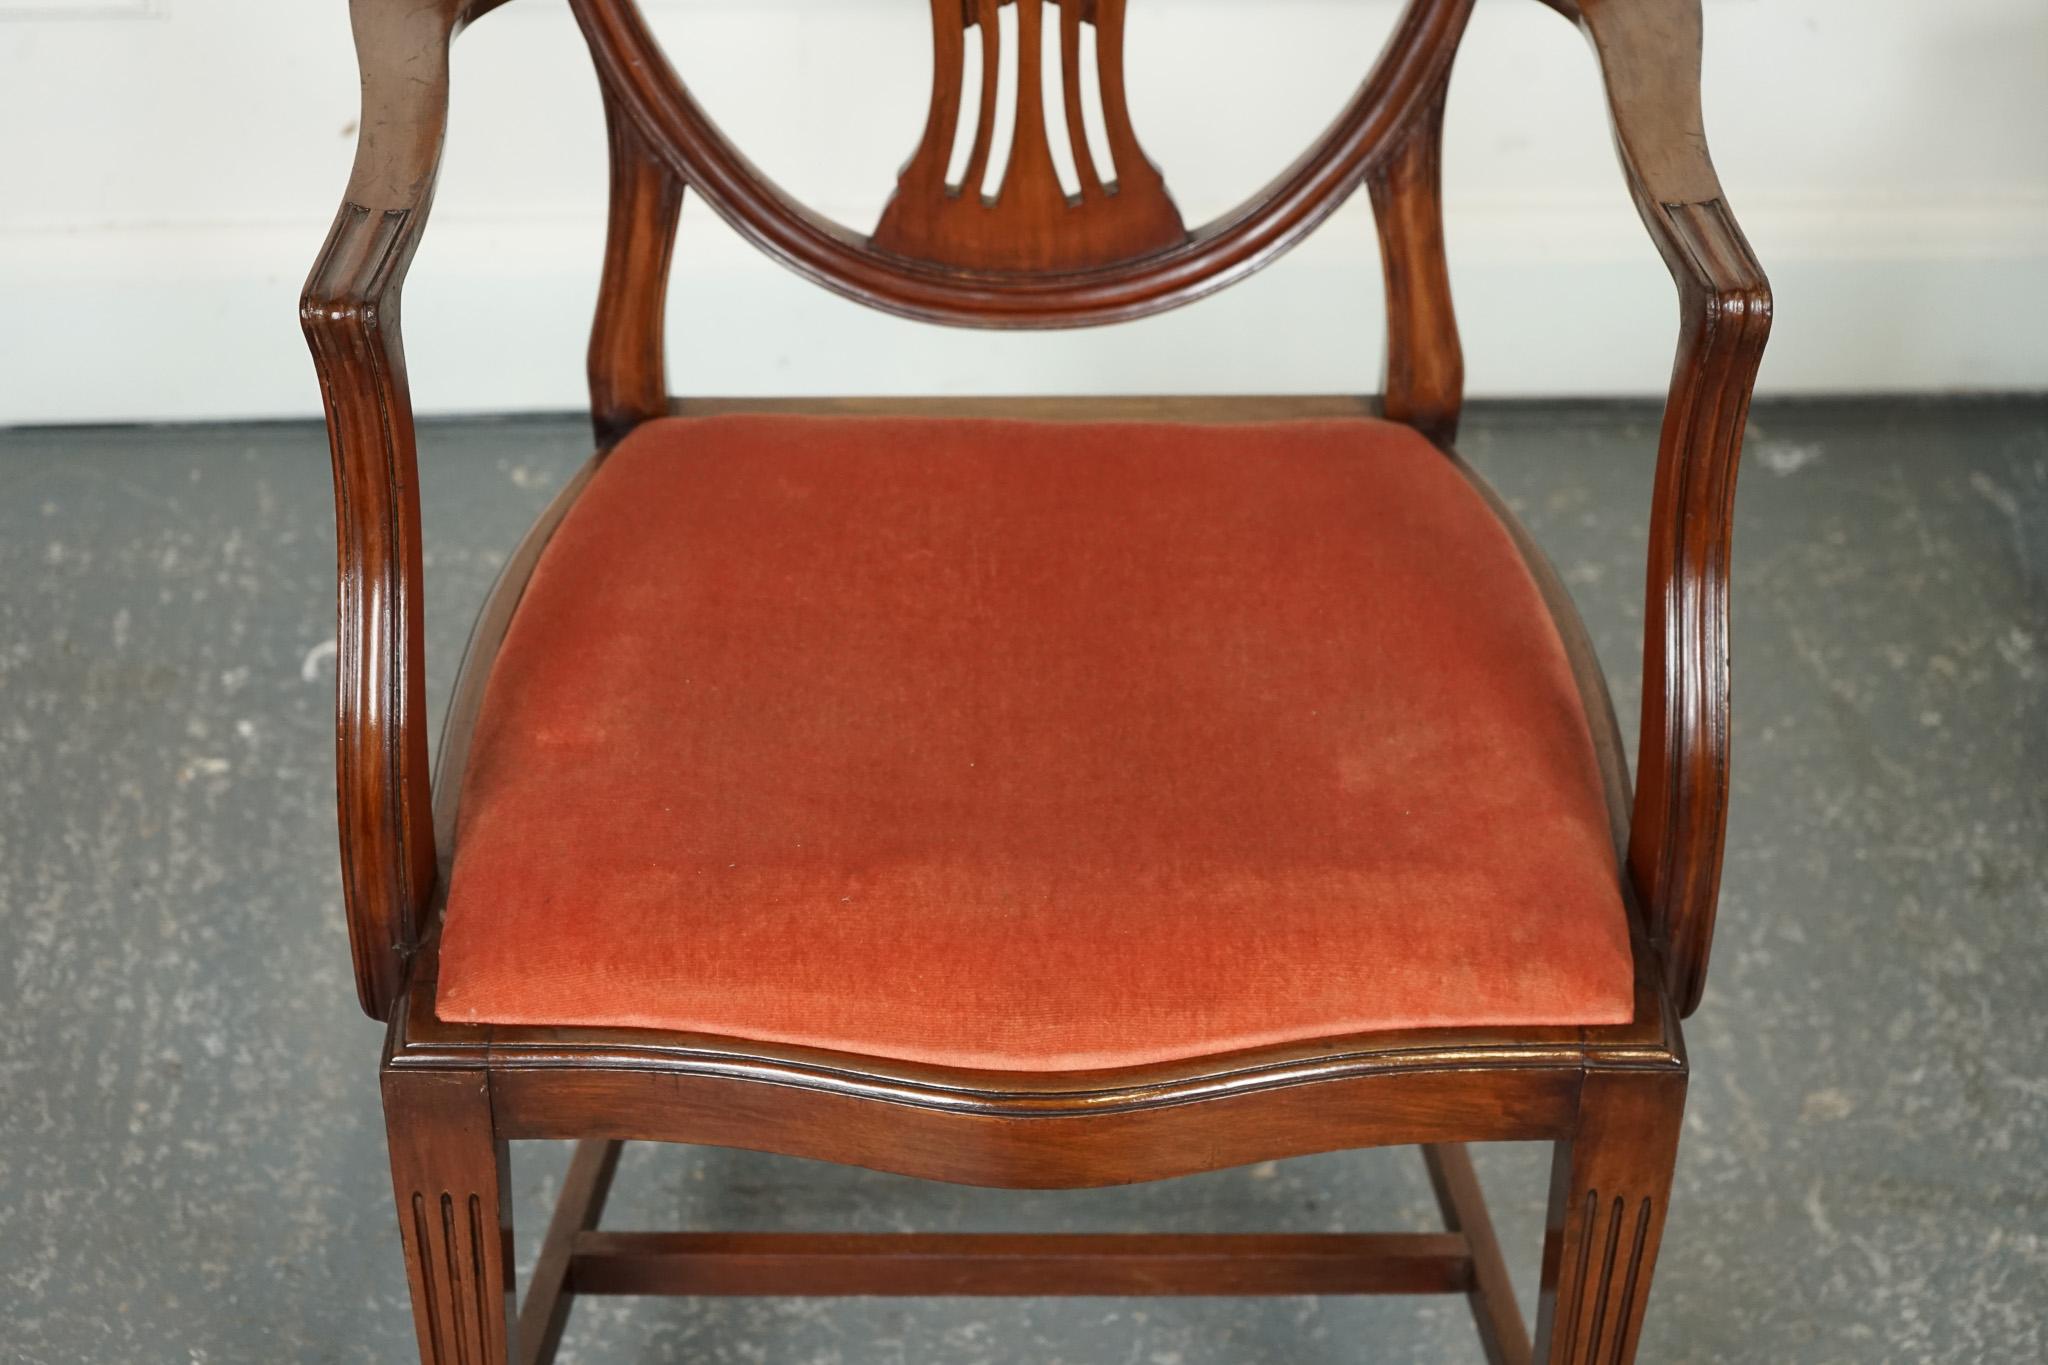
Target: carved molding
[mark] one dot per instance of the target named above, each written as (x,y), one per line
(348,314)
(1115,286)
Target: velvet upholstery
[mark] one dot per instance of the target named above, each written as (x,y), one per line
(1031,747)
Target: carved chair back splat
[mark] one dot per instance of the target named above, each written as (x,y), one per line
(1027,248)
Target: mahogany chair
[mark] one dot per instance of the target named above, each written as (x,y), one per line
(1144,788)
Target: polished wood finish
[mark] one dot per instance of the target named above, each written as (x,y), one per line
(1649,54)
(349,311)
(1424,380)
(1610,1186)
(1610,1098)
(1057,1141)
(633,69)
(628,341)
(1029,222)
(897,1264)
(449,1173)
(577,1209)
(1501,1334)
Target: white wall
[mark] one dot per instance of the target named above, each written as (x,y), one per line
(168,168)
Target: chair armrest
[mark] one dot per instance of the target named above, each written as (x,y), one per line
(350,311)
(1649,52)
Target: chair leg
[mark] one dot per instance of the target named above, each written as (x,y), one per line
(584,1190)
(1608,1189)
(1502,1336)
(448,1169)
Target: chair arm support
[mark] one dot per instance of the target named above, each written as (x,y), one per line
(1649,52)
(350,313)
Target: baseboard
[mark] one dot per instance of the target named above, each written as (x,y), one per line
(156,322)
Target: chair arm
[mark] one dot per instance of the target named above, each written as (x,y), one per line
(350,311)
(1649,52)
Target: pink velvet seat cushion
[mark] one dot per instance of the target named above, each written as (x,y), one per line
(1032,747)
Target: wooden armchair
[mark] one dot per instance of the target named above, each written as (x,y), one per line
(1145,788)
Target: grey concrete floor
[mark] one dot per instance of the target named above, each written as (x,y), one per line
(191,1158)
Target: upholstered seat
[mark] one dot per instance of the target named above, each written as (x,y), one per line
(1032,746)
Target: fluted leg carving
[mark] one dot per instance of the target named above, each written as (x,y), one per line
(1609,1188)
(448,1171)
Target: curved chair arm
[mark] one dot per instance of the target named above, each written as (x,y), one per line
(1649,53)
(349,311)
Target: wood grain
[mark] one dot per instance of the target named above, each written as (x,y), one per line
(1502,1336)
(1610,1186)
(628,338)
(1424,383)
(1012,1144)
(448,1171)
(349,311)
(577,1211)
(984,1264)
(1611,1098)
(1029,223)
(1649,54)
(634,71)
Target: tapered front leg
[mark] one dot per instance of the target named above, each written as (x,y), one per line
(1609,1187)
(448,1170)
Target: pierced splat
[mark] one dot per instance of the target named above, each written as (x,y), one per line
(1028,221)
